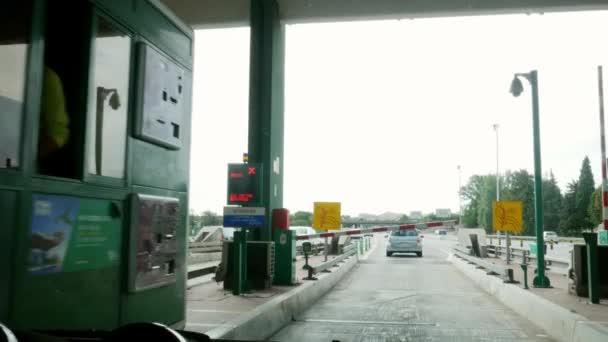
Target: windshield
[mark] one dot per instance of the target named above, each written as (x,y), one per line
(393,134)
(410,232)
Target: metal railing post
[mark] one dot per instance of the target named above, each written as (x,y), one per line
(326,246)
(524,267)
(592,272)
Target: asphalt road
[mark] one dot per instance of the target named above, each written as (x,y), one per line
(405,298)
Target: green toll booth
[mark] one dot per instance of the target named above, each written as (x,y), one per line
(285,257)
(95,102)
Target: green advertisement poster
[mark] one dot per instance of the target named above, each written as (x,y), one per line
(602,237)
(71,234)
(533,249)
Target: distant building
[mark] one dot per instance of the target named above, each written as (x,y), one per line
(416,215)
(443,213)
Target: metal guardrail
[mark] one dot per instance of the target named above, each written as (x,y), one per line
(205,247)
(324,267)
(573,240)
(210,261)
(316,249)
(525,256)
(376,229)
(504,272)
(202,269)
(501,251)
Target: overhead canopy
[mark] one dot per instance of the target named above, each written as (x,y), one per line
(213,13)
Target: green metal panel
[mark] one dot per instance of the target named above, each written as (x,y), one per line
(602,238)
(75,187)
(8,208)
(155,24)
(158,167)
(163,304)
(285,257)
(266,101)
(92,295)
(85,292)
(60,301)
(33,89)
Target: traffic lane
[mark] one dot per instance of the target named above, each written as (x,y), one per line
(443,243)
(406,298)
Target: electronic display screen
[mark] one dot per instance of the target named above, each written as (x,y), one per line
(244,183)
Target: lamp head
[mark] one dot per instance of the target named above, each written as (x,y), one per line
(516,87)
(114,100)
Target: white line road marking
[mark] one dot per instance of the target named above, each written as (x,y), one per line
(203,324)
(216,311)
(365,322)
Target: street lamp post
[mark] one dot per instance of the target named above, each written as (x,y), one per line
(507,237)
(460,194)
(497,169)
(540,280)
(114,102)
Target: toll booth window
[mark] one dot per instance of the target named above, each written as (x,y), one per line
(108,102)
(67,45)
(14,42)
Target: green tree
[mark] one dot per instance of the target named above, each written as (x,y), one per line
(194,223)
(486,201)
(568,223)
(519,186)
(595,207)
(586,187)
(469,217)
(471,193)
(301,218)
(430,218)
(404,218)
(552,199)
(209,218)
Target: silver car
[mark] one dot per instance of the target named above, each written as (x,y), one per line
(550,236)
(404,241)
(306,231)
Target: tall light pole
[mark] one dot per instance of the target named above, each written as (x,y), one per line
(459,194)
(102,94)
(540,280)
(508,238)
(497,168)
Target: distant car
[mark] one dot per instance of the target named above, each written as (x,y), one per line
(442,232)
(404,241)
(228,233)
(354,236)
(550,236)
(306,231)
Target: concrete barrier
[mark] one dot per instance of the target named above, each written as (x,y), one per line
(267,319)
(590,331)
(560,323)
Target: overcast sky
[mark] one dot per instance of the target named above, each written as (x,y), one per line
(379,114)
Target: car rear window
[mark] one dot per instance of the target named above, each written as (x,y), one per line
(409,232)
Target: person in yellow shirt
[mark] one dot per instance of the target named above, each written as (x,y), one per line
(54,131)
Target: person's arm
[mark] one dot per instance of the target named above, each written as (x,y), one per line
(55,132)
